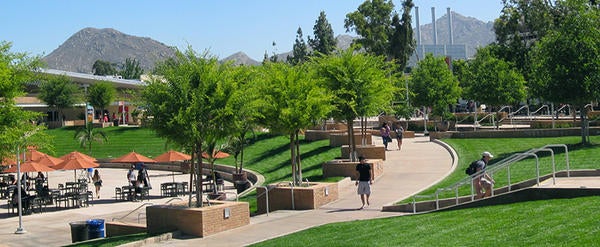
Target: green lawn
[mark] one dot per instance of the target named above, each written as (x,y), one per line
(468,150)
(561,222)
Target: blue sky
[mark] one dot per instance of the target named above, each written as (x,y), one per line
(223,27)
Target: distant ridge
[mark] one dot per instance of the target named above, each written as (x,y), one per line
(83,48)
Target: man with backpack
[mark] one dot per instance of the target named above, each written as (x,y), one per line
(482,181)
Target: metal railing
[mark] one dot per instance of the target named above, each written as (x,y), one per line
(269,188)
(499,166)
(136,209)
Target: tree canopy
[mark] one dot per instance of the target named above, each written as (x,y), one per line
(566,67)
(16,124)
(434,85)
(59,92)
(324,41)
(101,95)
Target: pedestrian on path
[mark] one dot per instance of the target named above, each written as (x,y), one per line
(97,182)
(365,179)
(399,133)
(385,135)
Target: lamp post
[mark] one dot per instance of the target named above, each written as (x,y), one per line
(20,229)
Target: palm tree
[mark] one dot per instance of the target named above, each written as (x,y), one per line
(88,134)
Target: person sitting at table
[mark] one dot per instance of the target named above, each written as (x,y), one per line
(24,199)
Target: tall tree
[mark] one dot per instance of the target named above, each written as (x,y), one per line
(372,22)
(189,103)
(59,92)
(566,67)
(504,86)
(16,128)
(101,67)
(101,95)
(434,85)
(131,69)
(300,50)
(521,24)
(359,83)
(402,43)
(295,100)
(324,41)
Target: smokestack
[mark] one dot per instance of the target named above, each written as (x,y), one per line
(434,28)
(418,25)
(450,39)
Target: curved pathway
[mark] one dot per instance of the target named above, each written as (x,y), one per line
(418,165)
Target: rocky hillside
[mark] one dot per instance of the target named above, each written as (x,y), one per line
(81,50)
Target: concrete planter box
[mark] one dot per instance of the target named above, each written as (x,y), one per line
(339,139)
(201,222)
(311,197)
(368,151)
(346,168)
(315,135)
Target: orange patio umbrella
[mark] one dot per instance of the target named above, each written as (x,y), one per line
(48,160)
(79,156)
(172,156)
(31,166)
(133,157)
(216,155)
(33,154)
(75,163)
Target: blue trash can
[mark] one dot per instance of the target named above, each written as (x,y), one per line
(95,228)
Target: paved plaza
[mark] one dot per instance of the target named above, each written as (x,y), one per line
(417,166)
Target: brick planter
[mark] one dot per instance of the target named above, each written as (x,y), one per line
(345,168)
(339,139)
(367,151)
(311,197)
(315,135)
(201,222)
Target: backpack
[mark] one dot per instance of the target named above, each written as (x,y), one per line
(472,169)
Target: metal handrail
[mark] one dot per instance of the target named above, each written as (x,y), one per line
(483,118)
(172,199)
(518,110)
(120,218)
(539,109)
(267,196)
(504,163)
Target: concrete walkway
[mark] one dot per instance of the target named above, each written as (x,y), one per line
(418,165)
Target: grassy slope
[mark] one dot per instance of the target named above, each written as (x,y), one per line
(535,223)
(563,222)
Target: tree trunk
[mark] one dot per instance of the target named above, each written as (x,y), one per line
(584,123)
(351,143)
(298,159)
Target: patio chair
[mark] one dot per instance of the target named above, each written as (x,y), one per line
(118,194)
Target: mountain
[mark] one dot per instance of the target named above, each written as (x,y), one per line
(465,30)
(81,50)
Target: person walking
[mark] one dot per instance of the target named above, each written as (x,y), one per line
(97,182)
(385,135)
(399,134)
(365,180)
(483,182)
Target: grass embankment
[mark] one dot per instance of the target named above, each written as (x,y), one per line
(561,222)
(468,150)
